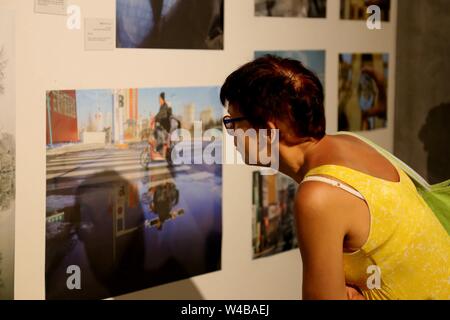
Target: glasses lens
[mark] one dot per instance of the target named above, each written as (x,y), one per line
(228,125)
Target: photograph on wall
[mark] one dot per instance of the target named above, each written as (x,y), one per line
(363,92)
(131,201)
(7,154)
(357,9)
(291,8)
(312,59)
(273,220)
(170,24)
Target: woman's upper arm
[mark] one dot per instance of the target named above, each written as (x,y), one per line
(321,231)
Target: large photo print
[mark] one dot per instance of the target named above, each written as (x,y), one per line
(291,8)
(170,24)
(363,89)
(123,212)
(357,9)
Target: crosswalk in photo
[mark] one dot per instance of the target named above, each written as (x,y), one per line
(103,205)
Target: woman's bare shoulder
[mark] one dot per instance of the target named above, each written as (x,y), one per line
(315,197)
(334,209)
(355,154)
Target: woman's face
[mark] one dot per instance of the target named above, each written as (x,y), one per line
(247,139)
(243,125)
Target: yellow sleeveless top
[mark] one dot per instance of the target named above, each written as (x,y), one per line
(406,242)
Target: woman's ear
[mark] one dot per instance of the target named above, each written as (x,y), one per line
(271,125)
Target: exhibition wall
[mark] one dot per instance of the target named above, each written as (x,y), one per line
(52,61)
(423,107)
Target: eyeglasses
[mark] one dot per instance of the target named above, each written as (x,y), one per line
(229,122)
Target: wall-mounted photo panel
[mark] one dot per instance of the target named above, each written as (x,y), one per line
(291,8)
(357,9)
(7,154)
(363,91)
(312,59)
(170,24)
(131,201)
(273,221)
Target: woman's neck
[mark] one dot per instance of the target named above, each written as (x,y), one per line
(297,160)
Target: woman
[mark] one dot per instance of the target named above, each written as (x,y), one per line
(364,232)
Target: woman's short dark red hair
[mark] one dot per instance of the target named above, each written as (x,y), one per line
(272,88)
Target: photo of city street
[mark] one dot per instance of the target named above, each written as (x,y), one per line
(117,207)
(273,220)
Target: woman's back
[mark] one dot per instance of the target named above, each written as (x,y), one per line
(406,243)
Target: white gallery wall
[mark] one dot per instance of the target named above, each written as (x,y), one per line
(52,57)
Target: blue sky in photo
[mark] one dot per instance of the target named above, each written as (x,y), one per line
(91,101)
(178,98)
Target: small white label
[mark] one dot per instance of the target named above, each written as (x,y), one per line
(58,7)
(99,34)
